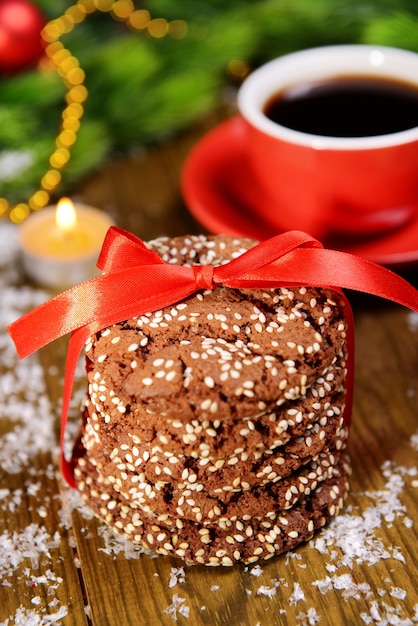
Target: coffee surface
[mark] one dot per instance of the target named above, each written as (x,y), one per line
(347,106)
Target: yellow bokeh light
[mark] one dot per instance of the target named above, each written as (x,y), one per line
(103,5)
(77,94)
(38,200)
(60,55)
(178,29)
(74,110)
(65,24)
(89,6)
(77,13)
(158,27)
(238,68)
(59,158)
(51,31)
(76,76)
(4,206)
(51,179)
(19,213)
(71,123)
(122,9)
(66,138)
(139,20)
(68,64)
(53,48)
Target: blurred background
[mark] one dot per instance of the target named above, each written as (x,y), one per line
(153,76)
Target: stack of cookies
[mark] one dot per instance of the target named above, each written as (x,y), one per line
(213,429)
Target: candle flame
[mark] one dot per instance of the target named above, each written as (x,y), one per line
(65,215)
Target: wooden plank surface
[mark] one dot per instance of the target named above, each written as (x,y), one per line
(58,564)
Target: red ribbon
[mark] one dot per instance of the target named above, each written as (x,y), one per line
(136,281)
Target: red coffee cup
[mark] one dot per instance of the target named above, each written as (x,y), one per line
(340,177)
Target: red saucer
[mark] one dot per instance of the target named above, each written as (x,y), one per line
(221,193)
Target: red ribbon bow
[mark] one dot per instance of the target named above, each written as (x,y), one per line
(136,281)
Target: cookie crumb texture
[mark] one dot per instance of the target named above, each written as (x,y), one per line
(213,429)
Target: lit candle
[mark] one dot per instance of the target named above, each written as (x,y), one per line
(60,245)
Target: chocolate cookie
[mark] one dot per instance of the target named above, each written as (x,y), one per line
(214,429)
(245,539)
(216,438)
(191,500)
(150,475)
(194,364)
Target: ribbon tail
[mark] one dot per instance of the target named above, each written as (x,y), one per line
(321,267)
(75,346)
(108,299)
(358,274)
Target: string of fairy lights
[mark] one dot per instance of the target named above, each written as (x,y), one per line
(68,68)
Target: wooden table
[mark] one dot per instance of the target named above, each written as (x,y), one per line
(58,564)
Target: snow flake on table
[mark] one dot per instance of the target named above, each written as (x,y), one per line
(24,617)
(23,398)
(33,542)
(25,408)
(177,576)
(178,607)
(354,532)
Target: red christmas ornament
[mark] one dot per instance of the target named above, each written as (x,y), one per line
(20,35)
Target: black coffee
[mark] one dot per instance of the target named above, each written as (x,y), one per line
(347,106)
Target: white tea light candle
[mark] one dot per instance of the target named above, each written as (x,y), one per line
(60,244)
